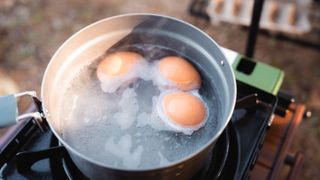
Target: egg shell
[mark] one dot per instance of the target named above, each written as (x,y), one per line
(184,112)
(118,69)
(180,72)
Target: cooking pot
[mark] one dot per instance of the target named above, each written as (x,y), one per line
(116,32)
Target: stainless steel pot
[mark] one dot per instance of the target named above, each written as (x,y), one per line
(115,32)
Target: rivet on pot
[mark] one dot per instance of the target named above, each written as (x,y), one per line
(222,62)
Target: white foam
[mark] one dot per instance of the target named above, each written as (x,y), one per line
(128,109)
(163,160)
(148,71)
(122,150)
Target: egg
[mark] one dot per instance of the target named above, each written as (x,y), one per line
(179,72)
(182,111)
(118,69)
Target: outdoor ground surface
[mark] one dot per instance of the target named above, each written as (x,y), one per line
(32,30)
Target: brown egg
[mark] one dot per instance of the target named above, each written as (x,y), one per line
(117,69)
(180,72)
(182,111)
(118,63)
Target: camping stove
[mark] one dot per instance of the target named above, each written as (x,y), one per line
(28,153)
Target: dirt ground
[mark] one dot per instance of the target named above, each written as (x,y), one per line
(32,30)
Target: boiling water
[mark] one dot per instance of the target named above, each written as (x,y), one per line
(120,129)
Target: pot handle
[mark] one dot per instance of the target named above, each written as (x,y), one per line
(9,110)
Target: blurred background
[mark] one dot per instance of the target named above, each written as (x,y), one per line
(32,30)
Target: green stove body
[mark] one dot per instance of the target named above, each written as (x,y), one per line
(255,73)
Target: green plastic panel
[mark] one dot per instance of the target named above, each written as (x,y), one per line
(263,76)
